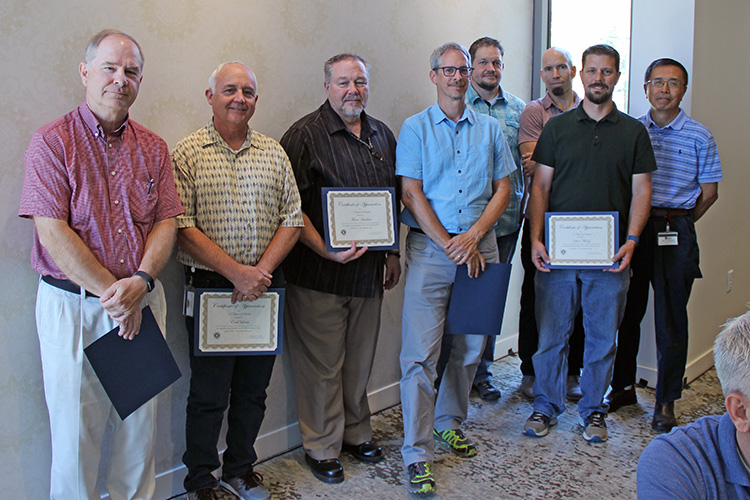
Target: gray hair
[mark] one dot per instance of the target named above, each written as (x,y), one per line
(212,78)
(732,356)
(437,54)
(96,40)
(328,65)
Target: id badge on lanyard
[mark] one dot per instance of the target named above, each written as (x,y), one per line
(667,238)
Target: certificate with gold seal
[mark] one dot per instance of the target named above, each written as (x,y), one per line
(242,328)
(366,216)
(582,240)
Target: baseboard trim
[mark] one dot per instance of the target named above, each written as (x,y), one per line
(698,367)
(274,443)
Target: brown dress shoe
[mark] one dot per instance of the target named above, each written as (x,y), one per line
(664,418)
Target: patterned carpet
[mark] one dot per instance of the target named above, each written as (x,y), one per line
(509,465)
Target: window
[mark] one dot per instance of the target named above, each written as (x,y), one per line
(575,25)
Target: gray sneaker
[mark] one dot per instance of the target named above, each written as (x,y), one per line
(595,428)
(538,424)
(217,493)
(527,386)
(573,392)
(249,486)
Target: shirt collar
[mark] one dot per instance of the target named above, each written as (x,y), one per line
(93,124)
(613,116)
(547,101)
(214,137)
(334,124)
(436,115)
(472,96)
(734,468)
(676,124)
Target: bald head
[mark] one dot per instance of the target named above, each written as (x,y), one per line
(558,71)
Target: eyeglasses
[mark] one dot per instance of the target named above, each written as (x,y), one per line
(659,83)
(451,70)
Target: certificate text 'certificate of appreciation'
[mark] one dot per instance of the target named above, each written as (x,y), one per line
(366,216)
(581,240)
(241,328)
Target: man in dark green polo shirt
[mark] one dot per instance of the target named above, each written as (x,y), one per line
(590,159)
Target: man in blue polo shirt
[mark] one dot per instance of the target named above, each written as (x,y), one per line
(590,159)
(708,458)
(684,187)
(454,166)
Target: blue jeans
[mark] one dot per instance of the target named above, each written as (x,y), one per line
(559,295)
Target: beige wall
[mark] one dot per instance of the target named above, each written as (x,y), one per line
(285,42)
(721,66)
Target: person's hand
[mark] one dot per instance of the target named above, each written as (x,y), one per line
(249,283)
(347,255)
(475,264)
(462,247)
(624,255)
(122,302)
(392,272)
(528,166)
(539,256)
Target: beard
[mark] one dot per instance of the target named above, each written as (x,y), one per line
(488,86)
(353,110)
(605,96)
(558,91)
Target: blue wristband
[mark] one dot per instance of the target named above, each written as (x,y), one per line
(634,238)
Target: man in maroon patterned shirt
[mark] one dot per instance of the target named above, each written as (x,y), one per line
(100,191)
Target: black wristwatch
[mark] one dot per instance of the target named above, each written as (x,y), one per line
(147,278)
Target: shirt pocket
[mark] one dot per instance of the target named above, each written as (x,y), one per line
(142,197)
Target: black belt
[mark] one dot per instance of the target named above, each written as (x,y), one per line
(201,278)
(66,285)
(417,230)
(666,212)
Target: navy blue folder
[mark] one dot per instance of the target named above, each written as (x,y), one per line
(477,304)
(133,371)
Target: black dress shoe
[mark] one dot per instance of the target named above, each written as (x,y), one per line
(329,471)
(664,418)
(368,452)
(487,391)
(624,397)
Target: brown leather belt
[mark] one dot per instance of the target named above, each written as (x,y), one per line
(666,212)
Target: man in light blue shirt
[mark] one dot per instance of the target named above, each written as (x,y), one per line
(454,166)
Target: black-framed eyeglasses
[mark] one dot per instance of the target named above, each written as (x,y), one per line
(658,83)
(451,70)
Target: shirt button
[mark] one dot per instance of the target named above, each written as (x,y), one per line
(113,172)
(458,152)
(460,190)
(459,171)
(459,210)
(122,261)
(117,202)
(110,144)
(119,231)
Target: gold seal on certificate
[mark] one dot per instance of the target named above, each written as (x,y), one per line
(366,216)
(581,240)
(240,328)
